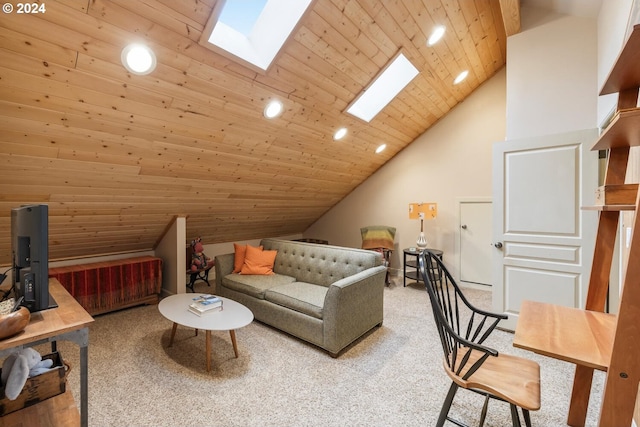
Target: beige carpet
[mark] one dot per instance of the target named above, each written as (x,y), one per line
(391,377)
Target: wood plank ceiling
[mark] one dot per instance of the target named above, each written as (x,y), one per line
(117,156)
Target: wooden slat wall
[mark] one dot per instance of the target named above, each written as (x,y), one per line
(117,156)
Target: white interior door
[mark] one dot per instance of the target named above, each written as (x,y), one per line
(475,242)
(543,240)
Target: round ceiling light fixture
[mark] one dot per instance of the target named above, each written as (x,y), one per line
(381,148)
(273,109)
(436,35)
(138,59)
(463,75)
(340,133)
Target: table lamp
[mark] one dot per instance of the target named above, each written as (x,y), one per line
(422,211)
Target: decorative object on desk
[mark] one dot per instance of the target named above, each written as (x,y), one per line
(379,238)
(13,322)
(48,378)
(199,261)
(422,211)
(205,304)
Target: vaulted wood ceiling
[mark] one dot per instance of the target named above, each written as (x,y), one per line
(118,156)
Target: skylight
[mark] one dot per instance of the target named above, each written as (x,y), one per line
(384,88)
(242,15)
(255,30)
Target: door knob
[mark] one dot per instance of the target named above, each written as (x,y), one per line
(498,245)
(463,226)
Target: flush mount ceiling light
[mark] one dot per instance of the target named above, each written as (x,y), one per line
(381,148)
(436,35)
(273,109)
(138,59)
(463,75)
(384,88)
(340,133)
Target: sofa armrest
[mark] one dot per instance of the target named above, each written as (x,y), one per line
(352,306)
(223,266)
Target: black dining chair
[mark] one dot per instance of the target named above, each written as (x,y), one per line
(470,364)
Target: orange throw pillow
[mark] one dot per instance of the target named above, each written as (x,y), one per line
(240,253)
(238,258)
(258,261)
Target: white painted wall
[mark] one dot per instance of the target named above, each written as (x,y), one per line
(552,80)
(612,24)
(450,161)
(172,250)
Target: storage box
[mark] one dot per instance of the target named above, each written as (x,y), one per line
(38,388)
(624,194)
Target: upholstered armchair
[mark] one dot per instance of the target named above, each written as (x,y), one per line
(379,238)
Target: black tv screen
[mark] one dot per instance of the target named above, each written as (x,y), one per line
(30,253)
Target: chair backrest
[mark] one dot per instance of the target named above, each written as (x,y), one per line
(378,237)
(461,326)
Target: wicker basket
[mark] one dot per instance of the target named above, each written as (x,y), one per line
(40,387)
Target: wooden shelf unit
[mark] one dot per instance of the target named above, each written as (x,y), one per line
(591,338)
(67,322)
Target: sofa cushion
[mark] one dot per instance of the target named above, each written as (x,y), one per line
(254,285)
(258,261)
(303,297)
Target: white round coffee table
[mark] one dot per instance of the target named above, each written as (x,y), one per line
(232,316)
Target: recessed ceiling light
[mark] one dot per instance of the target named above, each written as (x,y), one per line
(436,35)
(340,133)
(381,148)
(273,109)
(138,59)
(463,75)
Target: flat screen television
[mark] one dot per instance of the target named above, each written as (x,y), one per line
(30,253)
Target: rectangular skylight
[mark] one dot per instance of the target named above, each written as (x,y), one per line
(256,30)
(384,88)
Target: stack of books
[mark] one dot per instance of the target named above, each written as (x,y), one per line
(205,304)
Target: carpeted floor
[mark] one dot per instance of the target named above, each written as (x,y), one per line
(391,377)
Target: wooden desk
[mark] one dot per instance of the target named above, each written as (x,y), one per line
(578,336)
(70,322)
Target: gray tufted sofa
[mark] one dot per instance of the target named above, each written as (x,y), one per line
(326,295)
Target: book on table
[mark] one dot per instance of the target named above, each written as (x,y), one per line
(205,304)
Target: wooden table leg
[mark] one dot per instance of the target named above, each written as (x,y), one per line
(208,349)
(173,333)
(580,396)
(233,341)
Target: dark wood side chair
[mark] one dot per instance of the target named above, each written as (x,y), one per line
(380,238)
(471,365)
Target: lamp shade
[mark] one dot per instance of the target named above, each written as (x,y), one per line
(428,210)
